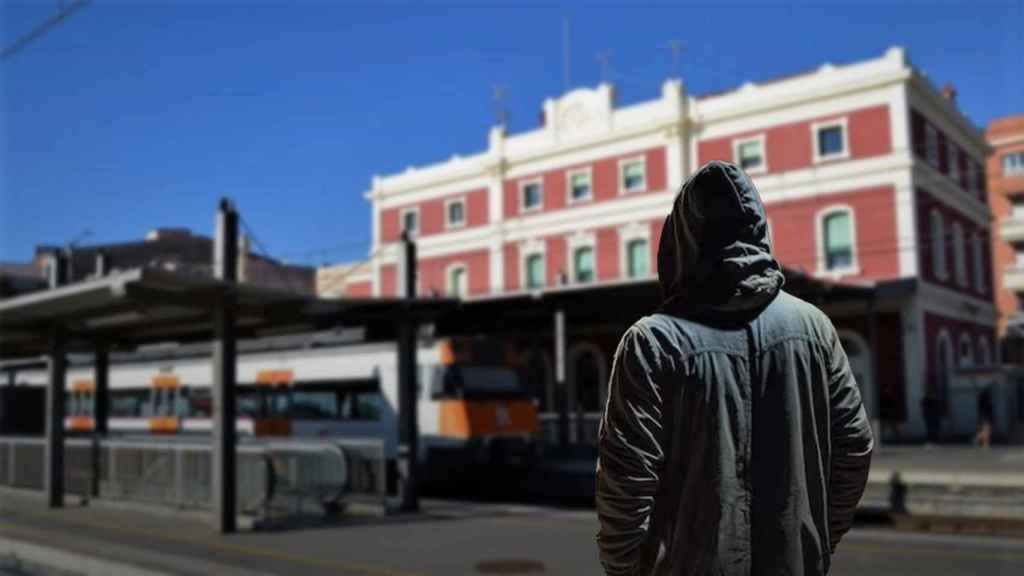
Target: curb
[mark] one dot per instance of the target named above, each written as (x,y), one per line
(48,558)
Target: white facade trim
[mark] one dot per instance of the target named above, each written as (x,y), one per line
(401,220)
(818,127)
(819,240)
(906,227)
(587,171)
(521,200)
(448,224)
(738,143)
(449,286)
(528,249)
(837,178)
(609,146)
(416,192)
(596,215)
(628,234)
(621,172)
(581,239)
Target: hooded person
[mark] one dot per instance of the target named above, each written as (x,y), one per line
(734,440)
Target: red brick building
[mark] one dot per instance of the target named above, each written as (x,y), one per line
(869,174)
(1006,195)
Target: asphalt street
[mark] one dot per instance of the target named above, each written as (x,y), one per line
(449,537)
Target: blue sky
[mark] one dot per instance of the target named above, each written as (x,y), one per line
(133,115)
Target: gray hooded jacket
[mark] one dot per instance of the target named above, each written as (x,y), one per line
(734,440)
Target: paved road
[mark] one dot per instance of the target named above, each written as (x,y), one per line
(449,538)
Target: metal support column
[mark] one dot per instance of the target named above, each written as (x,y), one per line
(874,394)
(408,427)
(225,260)
(561,387)
(100,410)
(55,422)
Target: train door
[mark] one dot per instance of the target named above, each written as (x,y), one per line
(164,418)
(79,406)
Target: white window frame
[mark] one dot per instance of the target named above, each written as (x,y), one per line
(1018,169)
(401,220)
(523,208)
(962,360)
(817,127)
(938,244)
(448,271)
(819,225)
(627,234)
(953,159)
(931,145)
(960,255)
(527,249)
(642,159)
(589,173)
(448,224)
(978,260)
(580,240)
(760,140)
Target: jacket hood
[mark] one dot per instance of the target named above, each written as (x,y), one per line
(714,258)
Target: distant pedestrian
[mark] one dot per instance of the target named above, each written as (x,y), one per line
(734,439)
(983,437)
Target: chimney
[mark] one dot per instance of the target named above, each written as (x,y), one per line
(949,92)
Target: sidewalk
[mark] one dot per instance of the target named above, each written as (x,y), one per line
(445,538)
(947,480)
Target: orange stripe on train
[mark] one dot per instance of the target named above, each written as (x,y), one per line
(469,418)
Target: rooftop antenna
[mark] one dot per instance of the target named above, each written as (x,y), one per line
(677,49)
(602,59)
(499,105)
(565,54)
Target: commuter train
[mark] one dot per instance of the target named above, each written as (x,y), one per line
(472,407)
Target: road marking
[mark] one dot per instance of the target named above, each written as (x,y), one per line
(340,567)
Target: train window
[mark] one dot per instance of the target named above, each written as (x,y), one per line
(129,403)
(365,404)
(71,403)
(163,401)
(181,403)
(314,404)
(249,402)
(200,403)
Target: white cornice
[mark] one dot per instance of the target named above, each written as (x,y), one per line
(947,117)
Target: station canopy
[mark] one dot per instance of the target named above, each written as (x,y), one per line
(132,308)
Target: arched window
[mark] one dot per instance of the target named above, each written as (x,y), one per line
(637,258)
(938,240)
(939,385)
(959,254)
(984,352)
(965,352)
(458,280)
(978,259)
(583,264)
(836,240)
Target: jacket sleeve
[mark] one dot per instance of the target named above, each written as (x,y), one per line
(631,453)
(852,443)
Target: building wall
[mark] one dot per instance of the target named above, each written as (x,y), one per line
(1005,135)
(605,179)
(432,214)
(797,238)
(789,146)
(927,204)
